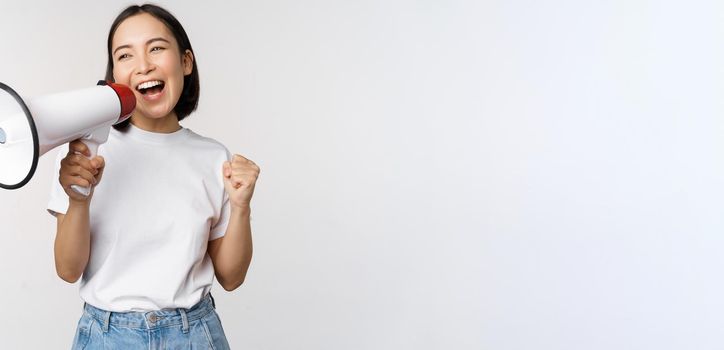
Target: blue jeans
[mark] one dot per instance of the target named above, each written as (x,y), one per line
(196,328)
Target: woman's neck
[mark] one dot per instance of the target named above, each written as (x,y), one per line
(165,125)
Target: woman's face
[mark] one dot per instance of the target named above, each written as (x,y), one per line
(146,58)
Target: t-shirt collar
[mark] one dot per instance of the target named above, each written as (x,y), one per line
(155,137)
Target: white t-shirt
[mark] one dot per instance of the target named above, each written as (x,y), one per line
(159,202)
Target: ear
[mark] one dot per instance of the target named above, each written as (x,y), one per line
(188,62)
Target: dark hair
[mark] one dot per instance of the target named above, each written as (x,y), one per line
(189,98)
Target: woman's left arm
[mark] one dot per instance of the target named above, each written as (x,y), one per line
(231,254)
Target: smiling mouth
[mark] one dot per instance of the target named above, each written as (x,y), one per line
(151,87)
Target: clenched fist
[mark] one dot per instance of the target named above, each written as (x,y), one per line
(240,176)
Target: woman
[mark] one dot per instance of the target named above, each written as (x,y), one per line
(173,210)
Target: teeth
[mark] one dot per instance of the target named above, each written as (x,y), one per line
(148,84)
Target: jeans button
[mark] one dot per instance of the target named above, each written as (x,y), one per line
(153,318)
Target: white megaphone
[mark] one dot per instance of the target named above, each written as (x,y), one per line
(29,130)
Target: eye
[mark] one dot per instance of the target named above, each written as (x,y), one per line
(123,56)
(157,48)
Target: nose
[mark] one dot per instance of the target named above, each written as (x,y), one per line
(144,66)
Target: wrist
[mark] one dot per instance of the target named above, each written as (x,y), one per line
(78,204)
(241,210)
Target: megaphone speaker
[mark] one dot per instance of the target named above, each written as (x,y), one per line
(29,129)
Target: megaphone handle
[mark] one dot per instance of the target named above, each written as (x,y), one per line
(92,145)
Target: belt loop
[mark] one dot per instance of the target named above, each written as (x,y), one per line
(213,303)
(184,320)
(106,321)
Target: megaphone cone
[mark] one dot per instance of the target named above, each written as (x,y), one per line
(29,130)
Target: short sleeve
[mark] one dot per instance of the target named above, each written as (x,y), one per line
(58,202)
(218,230)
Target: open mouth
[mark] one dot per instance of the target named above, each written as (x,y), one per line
(151,87)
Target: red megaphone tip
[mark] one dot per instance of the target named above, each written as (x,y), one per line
(128,100)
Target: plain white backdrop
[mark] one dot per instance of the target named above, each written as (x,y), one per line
(435,174)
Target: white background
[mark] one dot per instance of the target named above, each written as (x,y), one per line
(435,174)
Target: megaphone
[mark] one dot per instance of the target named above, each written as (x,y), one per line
(29,130)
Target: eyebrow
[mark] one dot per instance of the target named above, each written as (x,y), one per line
(147,43)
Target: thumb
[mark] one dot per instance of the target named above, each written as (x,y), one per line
(226,172)
(101,167)
(98,162)
(227,169)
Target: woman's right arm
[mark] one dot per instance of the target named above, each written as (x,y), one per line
(72,240)
(72,243)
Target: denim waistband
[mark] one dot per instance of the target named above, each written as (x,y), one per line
(152,319)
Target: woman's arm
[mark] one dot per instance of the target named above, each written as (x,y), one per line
(231,254)
(72,242)
(72,239)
